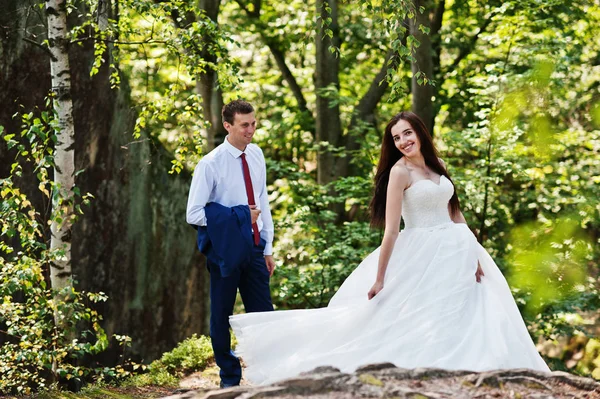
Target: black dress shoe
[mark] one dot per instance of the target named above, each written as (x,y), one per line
(225,385)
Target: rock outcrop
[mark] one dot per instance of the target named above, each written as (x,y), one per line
(387,381)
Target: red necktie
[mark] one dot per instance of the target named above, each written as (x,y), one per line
(250,192)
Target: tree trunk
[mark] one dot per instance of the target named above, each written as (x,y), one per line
(437,20)
(208,86)
(132,242)
(328,124)
(64,158)
(422,91)
(212,103)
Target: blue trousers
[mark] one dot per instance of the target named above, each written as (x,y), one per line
(252,279)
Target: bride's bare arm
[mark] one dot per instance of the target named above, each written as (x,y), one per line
(398,182)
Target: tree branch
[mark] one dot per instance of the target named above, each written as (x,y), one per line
(243,7)
(257,5)
(287,74)
(378,87)
(465,51)
(436,38)
(147,41)
(438,16)
(46,50)
(277,53)
(365,109)
(11,335)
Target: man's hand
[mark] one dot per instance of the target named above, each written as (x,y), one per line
(254,213)
(479,273)
(270,264)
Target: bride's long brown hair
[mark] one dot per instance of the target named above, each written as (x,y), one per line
(390,155)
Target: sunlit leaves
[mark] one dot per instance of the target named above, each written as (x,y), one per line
(549,260)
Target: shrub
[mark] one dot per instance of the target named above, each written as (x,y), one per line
(193,354)
(46,335)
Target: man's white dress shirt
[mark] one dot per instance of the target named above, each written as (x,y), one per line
(218,177)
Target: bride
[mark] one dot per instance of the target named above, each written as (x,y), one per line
(429,296)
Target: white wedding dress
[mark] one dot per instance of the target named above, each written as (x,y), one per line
(430,313)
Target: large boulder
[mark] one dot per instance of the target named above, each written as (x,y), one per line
(388,381)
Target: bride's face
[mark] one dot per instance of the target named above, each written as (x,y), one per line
(406,139)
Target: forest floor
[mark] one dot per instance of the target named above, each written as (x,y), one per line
(206,380)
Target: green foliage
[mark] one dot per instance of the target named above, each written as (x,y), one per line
(155,377)
(317,254)
(163,47)
(524,153)
(36,354)
(175,43)
(47,335)
(590,364)
(193,354)
(549,261)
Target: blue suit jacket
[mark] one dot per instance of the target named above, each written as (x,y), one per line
(227,239)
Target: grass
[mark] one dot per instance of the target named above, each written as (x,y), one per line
(104,393)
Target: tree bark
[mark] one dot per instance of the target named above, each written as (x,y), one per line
(328,126)
(208,85)
(64,158)
(422,92)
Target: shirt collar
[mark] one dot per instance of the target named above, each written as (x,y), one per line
(236,153)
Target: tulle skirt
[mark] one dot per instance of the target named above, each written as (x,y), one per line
(430,313)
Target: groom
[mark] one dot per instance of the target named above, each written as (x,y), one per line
(228,203)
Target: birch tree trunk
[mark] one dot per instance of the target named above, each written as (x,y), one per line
(64,159)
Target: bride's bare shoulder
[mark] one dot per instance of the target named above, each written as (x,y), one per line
(400,167)
(400,173)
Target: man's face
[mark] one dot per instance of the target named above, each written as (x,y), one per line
(242,130)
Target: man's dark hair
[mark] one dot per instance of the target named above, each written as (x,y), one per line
(235,107)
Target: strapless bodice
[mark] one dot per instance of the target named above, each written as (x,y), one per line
(425,203)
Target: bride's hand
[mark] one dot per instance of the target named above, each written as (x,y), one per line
(479,273)
(378,286)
